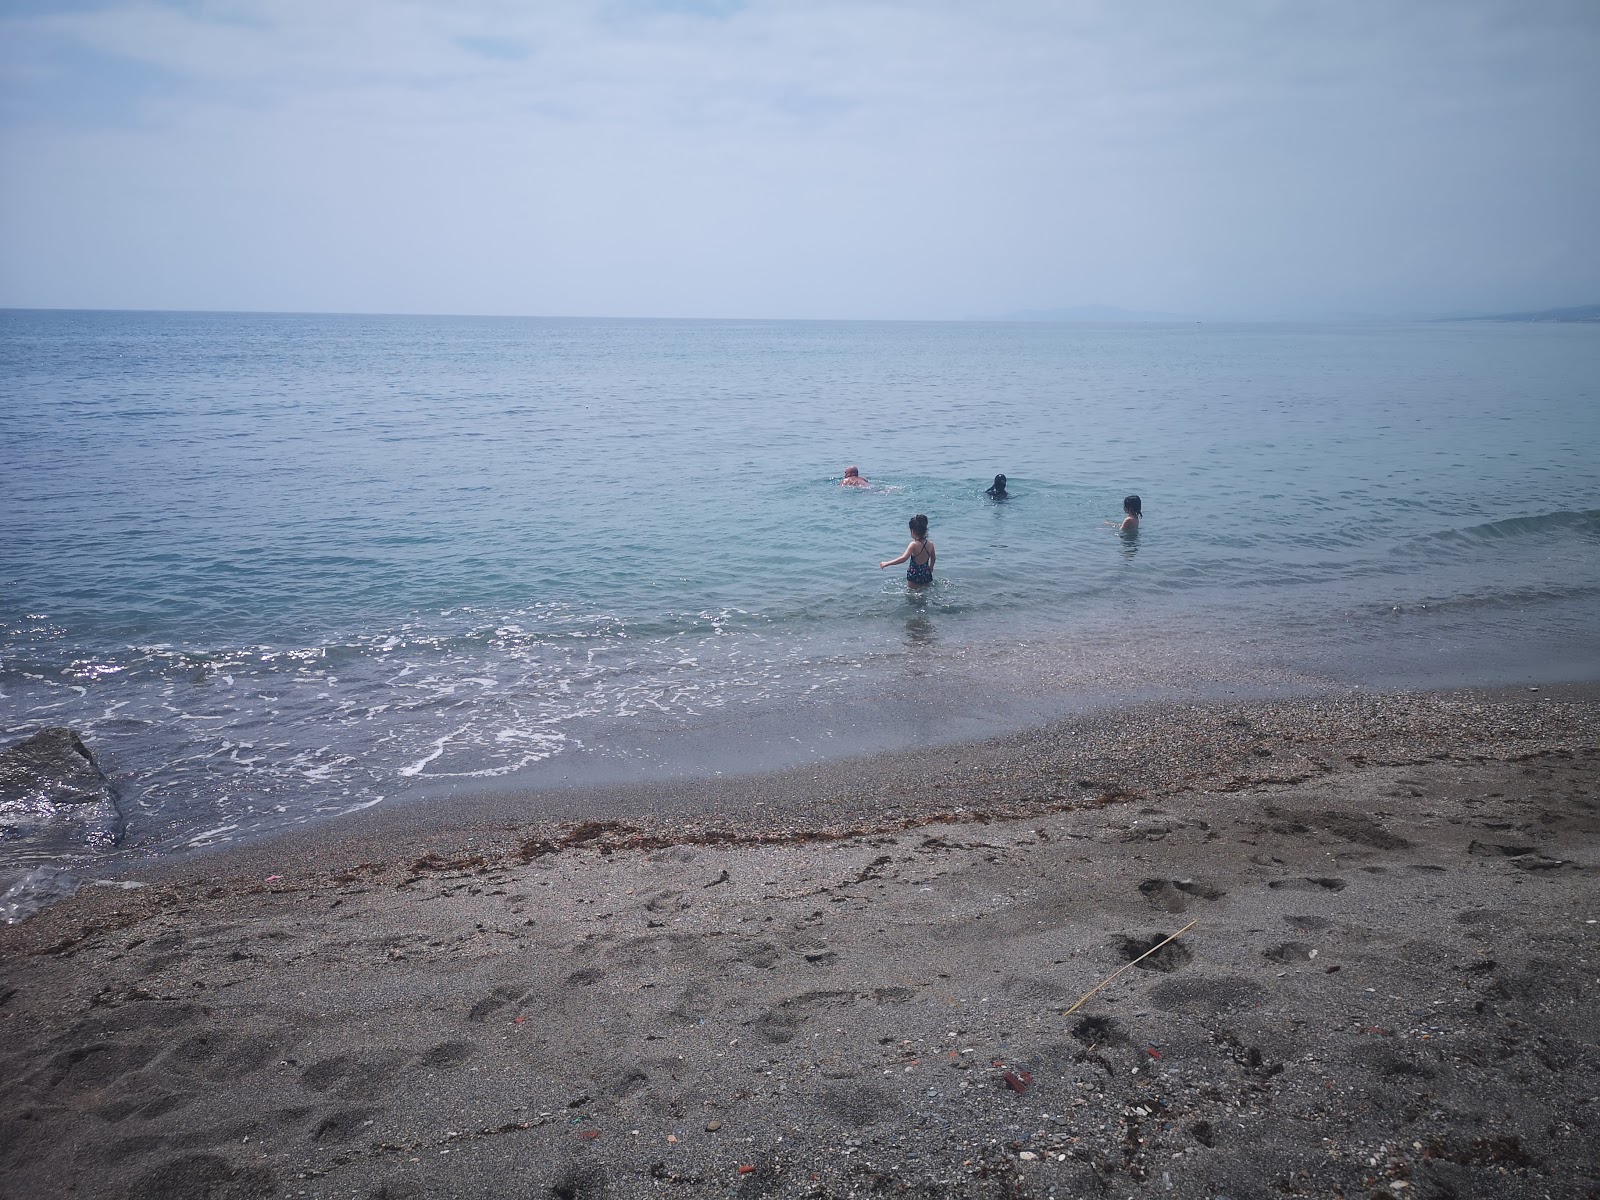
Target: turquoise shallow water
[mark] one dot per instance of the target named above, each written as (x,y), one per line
(282,566)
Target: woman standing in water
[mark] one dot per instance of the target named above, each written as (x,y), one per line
(918,556)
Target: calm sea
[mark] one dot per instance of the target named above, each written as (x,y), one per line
(279,567)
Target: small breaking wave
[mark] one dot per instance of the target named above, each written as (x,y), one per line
(1504,598)
(1583,522)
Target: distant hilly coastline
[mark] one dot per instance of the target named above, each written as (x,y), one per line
(1578,314)
(1088,313)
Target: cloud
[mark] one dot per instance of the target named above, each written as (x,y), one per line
(869,158)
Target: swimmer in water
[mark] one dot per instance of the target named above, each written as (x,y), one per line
(997,489)
(919,555)
(1133,507)
(853,478)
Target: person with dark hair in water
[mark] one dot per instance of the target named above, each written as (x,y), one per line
(997,489)
(1134,508)
(919,555)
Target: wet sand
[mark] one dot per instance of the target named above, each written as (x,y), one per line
(856,979)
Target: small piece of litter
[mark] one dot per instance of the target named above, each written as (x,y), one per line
(746,1169)
(272,879)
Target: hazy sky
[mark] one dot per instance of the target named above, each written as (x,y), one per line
(800,158)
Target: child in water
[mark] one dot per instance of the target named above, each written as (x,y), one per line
(919,554)
(997,489)
(1133,507)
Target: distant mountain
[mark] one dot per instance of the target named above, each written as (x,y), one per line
(1583,312)
(1087,313)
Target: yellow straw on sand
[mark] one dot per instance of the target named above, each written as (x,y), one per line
(1082,1000)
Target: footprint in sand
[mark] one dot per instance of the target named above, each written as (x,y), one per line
(220,1057)
(1101,1031)
(448,1054)
(858,1106)
(627,1084)
(1498,850)
(782,1022)
(1309,884)
(1171,957)
(670,901)
(89,1068)
(1290,952)
(761,956)
(202,1177)
(658,949)
(1309,923)
(694,1002)
(125,1150)
(1174,895)
(496,1000)
(354,1078)
(1538,862)
(1524,858)
(320,1076)
(580,1181)
(344,1124)
(145,1106)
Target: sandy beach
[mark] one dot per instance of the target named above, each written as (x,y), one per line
(859,979)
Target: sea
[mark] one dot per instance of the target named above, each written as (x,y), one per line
(276,568)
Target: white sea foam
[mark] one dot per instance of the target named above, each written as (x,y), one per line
(439,744)
(208,836)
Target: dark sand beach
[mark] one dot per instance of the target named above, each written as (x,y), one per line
(855,980)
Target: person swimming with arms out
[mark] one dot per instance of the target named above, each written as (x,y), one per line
(919,555)
(854,478)
(1133,507)
(997,489)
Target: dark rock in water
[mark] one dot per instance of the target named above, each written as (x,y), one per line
(54,796)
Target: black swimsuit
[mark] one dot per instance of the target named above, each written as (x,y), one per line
(920,572)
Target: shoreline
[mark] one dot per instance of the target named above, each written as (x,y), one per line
(1197,744)
(190,787)
(860,977)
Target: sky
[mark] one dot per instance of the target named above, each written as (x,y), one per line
(894,159)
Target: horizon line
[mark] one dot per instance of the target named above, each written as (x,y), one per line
(1134,318)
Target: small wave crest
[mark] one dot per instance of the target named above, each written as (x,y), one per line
(1583,522)
(1501,598)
